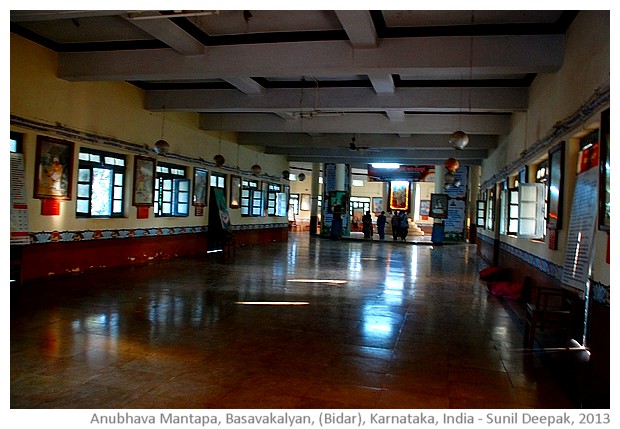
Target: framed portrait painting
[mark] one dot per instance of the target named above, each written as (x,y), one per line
(554,198)
(604,212)
(235,192)
(143,181)
(439,206)
(200,187)
(377,204)
(399,195)
(54,169)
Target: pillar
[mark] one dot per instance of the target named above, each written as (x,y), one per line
(314,198)
(474,187)
(340,177)
(437,234)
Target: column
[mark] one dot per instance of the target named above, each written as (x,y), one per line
(437,234)
(340,177)
(314,198)
(474,186)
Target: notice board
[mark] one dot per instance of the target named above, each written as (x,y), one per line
(19,206)
(582,227)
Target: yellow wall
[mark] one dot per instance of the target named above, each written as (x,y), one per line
(553,97)
(115,110)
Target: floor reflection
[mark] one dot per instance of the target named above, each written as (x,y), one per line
(311,323)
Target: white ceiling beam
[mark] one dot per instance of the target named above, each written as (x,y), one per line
(443,99)
(53,15)
(343,151)
(444,56)
(422,141)
(396,115)
(359,123)
(383,83)
(171,34)
(359,28)
(247,85)
(365,159)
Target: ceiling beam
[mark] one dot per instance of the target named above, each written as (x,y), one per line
(245,84)
(339,152)
(362,158)
(287,100)
(169,33)
(359,27)
(362,123)
(418,57)
(421,141)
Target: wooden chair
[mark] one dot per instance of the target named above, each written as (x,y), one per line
(230,243)
(550,309)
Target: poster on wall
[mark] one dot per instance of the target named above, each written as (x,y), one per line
(399,195)
(54,169)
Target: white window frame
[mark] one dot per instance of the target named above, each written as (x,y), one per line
(91,159)
(172,191)
(531,210)
(251,198)
(509,221)
(480,213)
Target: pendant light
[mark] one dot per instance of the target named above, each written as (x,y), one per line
(459,139)
(219,158)
(162,147)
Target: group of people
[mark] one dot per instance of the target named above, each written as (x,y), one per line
(400,225)
(399,222)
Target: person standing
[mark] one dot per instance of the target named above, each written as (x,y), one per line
(395,221)
(336,229)
(367,225)
(381,220)
(404,225)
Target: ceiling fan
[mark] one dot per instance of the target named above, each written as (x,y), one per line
(354,147)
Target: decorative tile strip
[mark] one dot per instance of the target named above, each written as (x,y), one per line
(87,235)
(599,292)
(547,267)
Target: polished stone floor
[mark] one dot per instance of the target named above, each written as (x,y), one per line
(311,323)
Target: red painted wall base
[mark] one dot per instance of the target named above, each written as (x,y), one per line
(39,262)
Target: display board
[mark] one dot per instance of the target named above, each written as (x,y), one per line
(456,221)
(19,205)
(582,227)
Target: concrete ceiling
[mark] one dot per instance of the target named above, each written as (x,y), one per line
(320,86)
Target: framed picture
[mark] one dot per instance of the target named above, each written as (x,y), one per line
(305,202)
(604,185)
(439,206)
(377,204)
(200,187)
(425,207)
(143,181)
(54,169)
(399,195)
(554,197)
(235,192)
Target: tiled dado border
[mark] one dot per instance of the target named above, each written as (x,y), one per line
(599,292)
(70,236)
